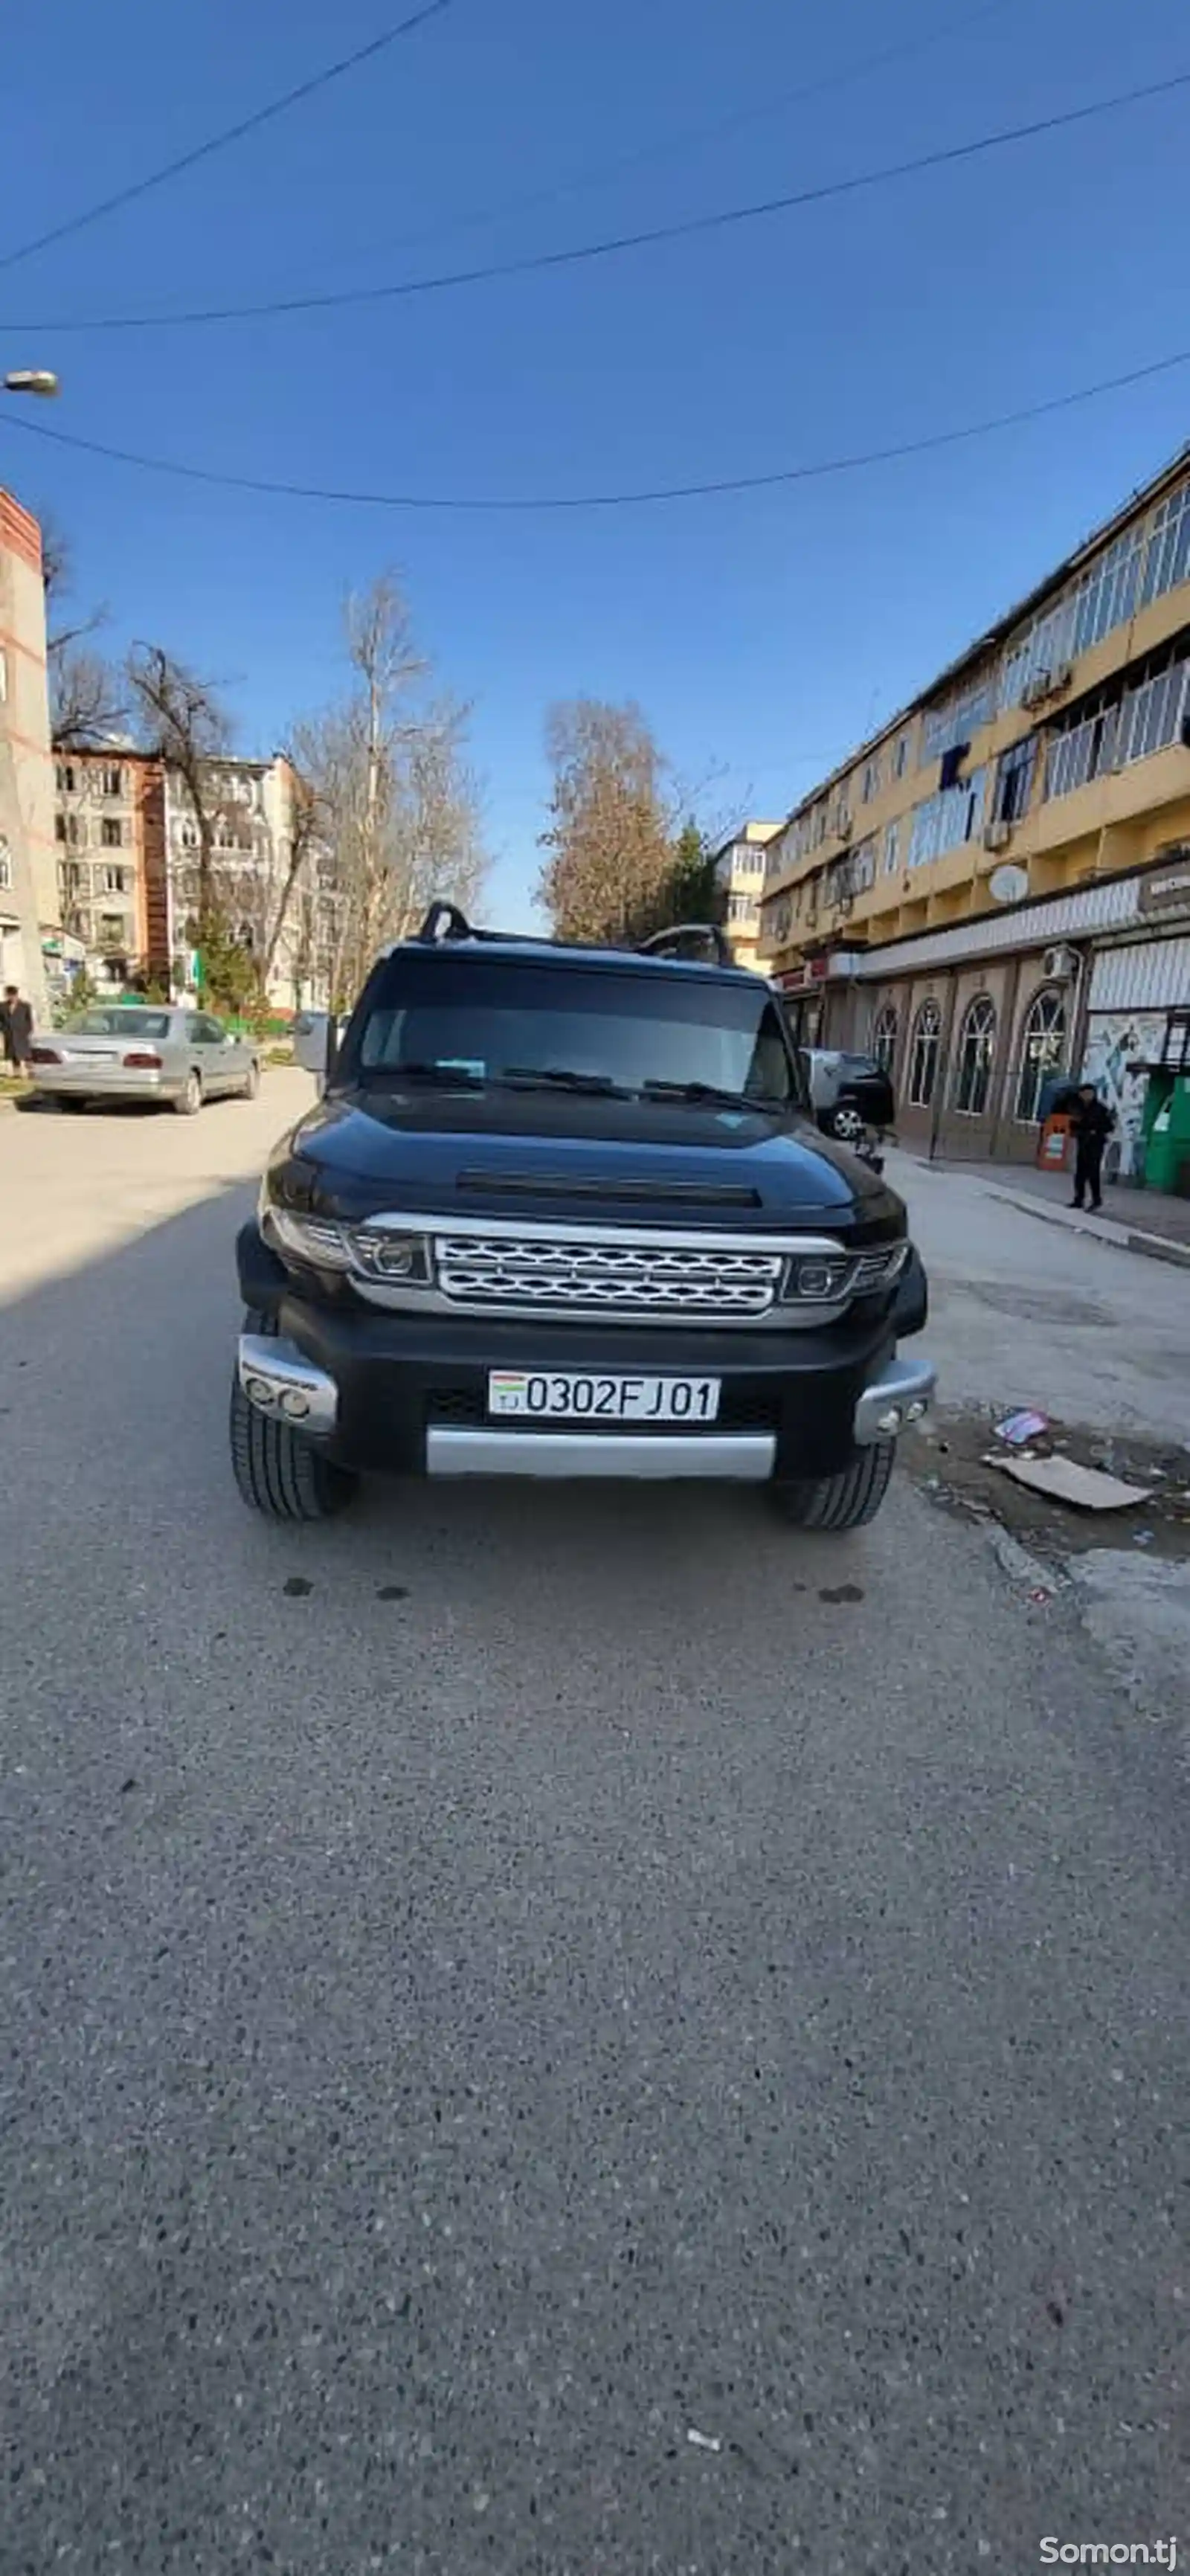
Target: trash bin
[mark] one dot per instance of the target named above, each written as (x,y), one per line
(1053,1152)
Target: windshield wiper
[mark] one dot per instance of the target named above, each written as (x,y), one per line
(709,1092)
(560,1077)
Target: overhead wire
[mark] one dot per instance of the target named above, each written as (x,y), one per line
(213,143)
(717,220)
(268,487)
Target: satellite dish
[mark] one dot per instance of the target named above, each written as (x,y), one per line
(1008,885)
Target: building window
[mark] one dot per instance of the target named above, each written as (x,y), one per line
(68,828)
(1106,595)
(892,847)
(112,929)
(960,718)
(1014,780)
(64,777)
(1039,653)
(188,836)
(113,782)
(1044,1040)
(871,779)
(5,866)
(111,832)
(977,1049)
(1167,561)
(923,1057)
(945,821)
(1152,715)
(884,1036)
(114,881)
(901,755)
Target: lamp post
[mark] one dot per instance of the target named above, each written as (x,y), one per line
(31,380)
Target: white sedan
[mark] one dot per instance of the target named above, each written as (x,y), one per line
(137,1051)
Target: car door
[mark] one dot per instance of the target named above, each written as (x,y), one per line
(210,1056)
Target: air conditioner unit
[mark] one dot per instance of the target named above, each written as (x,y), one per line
(1060,965)
(997,836)
(1039,688)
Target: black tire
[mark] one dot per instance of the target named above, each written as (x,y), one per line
(251,1088)
(846,1501)
(73,1108)
(277,1472)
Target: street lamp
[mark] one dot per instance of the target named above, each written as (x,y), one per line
(31,380)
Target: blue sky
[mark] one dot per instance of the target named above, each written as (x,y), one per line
(762,633)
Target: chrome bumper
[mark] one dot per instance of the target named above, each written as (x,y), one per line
(278,1379)
(897,1399)
(744,1457)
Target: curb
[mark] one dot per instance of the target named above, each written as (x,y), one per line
(1153,1247)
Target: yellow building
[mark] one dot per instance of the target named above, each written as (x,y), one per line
(944,894)
(739,876)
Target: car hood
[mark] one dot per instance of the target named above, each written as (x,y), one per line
(546,1155)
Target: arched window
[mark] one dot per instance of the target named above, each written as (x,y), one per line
(1043,1041)
(923,1059)
(884,1036)
(977,1050)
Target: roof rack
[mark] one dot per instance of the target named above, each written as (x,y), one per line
(444,923)
(677,941)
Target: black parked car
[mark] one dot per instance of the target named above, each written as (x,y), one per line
(564,1212)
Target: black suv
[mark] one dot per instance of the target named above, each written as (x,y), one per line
(564,1212)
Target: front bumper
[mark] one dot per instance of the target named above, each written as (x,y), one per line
(407,1394)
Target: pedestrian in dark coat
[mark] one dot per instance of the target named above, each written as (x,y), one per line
(16,1022)
(1091,1125)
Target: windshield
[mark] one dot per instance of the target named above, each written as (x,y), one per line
(486,1021)
(120,1022)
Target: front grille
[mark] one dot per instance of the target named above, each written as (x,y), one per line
(544,1277)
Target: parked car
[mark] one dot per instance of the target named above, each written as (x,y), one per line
(849,1093)
(563,1212)
(139,1051)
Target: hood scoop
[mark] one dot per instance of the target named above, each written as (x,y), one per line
(648,1193)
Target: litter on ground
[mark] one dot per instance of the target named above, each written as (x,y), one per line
(1066,1482)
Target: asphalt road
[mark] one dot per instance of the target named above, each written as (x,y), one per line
(502,1985)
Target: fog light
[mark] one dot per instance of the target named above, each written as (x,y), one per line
(914,1411)
(295,1403)
(890,1420)
(258,1391)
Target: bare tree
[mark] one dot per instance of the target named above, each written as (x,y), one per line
(610,834)
(395,808)
(183,721)
(88,703)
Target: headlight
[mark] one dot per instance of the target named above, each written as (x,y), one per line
(827,1279)
(377,1251)
(821,1279)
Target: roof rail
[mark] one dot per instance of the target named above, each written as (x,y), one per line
(675,942)
(445,923)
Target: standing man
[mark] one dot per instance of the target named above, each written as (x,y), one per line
(16,1020)
(1092,1122)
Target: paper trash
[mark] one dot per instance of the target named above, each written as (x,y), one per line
(1017,1428)
(1066,1482)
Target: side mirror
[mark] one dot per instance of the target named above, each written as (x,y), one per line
(311,1037)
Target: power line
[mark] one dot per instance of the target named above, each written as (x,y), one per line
(720,220)
(776,103)
(788,474)
(230,134)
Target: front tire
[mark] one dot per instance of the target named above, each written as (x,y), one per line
(846,1124)
(276,1471)
(189,1099)
(845,1501)
(251,1088)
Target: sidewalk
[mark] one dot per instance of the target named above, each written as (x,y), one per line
(1134,1220)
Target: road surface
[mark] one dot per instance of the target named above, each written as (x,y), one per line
(566,2035)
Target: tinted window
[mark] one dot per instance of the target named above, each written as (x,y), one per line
(121,1022)
(485,1017)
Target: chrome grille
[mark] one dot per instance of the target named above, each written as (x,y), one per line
(600,1278)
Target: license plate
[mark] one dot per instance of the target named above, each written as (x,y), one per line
(567,1396)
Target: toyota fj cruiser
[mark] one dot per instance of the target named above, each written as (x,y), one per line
(564,1212)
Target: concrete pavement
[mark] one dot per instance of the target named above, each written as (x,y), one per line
(496,1987)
